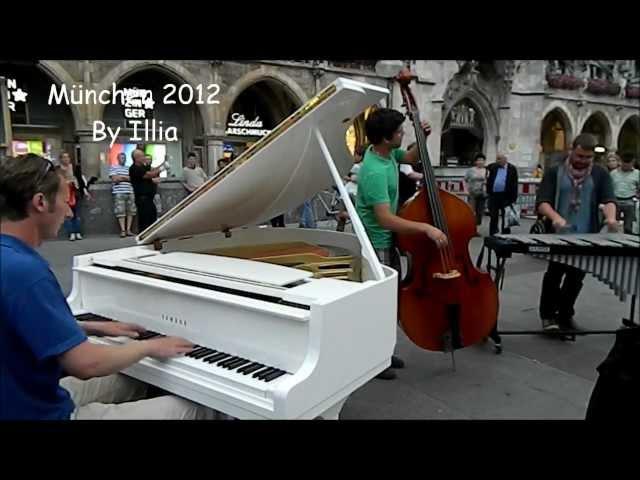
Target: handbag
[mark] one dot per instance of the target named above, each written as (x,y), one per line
(512,214)
(72,195)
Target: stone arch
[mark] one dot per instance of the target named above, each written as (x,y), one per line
(624,145)
(60,75)
(488,118)
(254,76)
(565,114)
(604,121)
(173,69)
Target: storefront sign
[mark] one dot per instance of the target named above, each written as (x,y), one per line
(239,125)
(138,105)
(15,94)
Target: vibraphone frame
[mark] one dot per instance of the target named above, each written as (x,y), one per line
(498,272)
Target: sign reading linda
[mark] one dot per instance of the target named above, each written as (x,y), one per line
(239,125)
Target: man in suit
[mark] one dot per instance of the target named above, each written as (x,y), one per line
(502,189)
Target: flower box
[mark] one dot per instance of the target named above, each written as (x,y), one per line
(632,91)
(599,86)
(564,82)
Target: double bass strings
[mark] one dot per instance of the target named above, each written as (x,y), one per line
(446,255)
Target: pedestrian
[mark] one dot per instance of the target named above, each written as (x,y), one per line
(626,188)
(124,203)
(613,162)
(475,181)
(77,191)
(142,178)
(193,174)
(502,190)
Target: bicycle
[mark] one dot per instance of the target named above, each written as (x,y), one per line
(332,204)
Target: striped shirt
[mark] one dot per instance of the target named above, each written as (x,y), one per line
(120,187)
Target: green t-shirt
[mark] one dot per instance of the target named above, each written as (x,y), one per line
(378,183)
(626,184)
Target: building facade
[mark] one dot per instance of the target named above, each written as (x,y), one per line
(529,110)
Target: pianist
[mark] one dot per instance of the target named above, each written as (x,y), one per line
(39,337)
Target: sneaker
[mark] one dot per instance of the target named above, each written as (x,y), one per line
(123,234)
(72,237)
(396,362)
(569,324)
(549,325)
(497,346)
(78,236)
(387,374)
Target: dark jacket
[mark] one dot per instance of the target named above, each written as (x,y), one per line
(602,190)
(511,184)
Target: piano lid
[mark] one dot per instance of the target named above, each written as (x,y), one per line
(277,173)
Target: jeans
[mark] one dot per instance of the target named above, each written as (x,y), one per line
(558,297)
(72,225)
(627,211)
(307,219)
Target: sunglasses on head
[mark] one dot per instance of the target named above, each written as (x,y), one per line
(47,167)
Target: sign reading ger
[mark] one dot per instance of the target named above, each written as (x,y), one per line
(239,125)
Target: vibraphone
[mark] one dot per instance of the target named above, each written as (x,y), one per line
(612,258)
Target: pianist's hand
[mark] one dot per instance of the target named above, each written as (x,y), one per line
(168,347)
(114,329)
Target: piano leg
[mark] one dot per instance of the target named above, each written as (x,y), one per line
(333,413)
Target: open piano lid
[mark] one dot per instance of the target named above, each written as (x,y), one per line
(277,173)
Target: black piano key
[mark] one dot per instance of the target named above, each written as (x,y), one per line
(147,335)
(273,375)
(83,317)
(206,357)
(227,361)
(263,371)
(217,357)
(203,353)
(222,359)
(253,368)
(242,369)
(237,363)
(195,351)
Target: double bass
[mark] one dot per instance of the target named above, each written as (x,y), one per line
(445,302)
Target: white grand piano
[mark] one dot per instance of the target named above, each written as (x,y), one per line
(288,321)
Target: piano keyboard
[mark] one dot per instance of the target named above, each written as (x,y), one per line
(207,356)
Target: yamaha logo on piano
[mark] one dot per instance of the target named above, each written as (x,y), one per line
(540,249)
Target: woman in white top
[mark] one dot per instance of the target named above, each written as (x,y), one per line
(475,181)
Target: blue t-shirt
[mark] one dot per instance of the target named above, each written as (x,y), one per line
(36,326)
(580,220)
(500,183)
